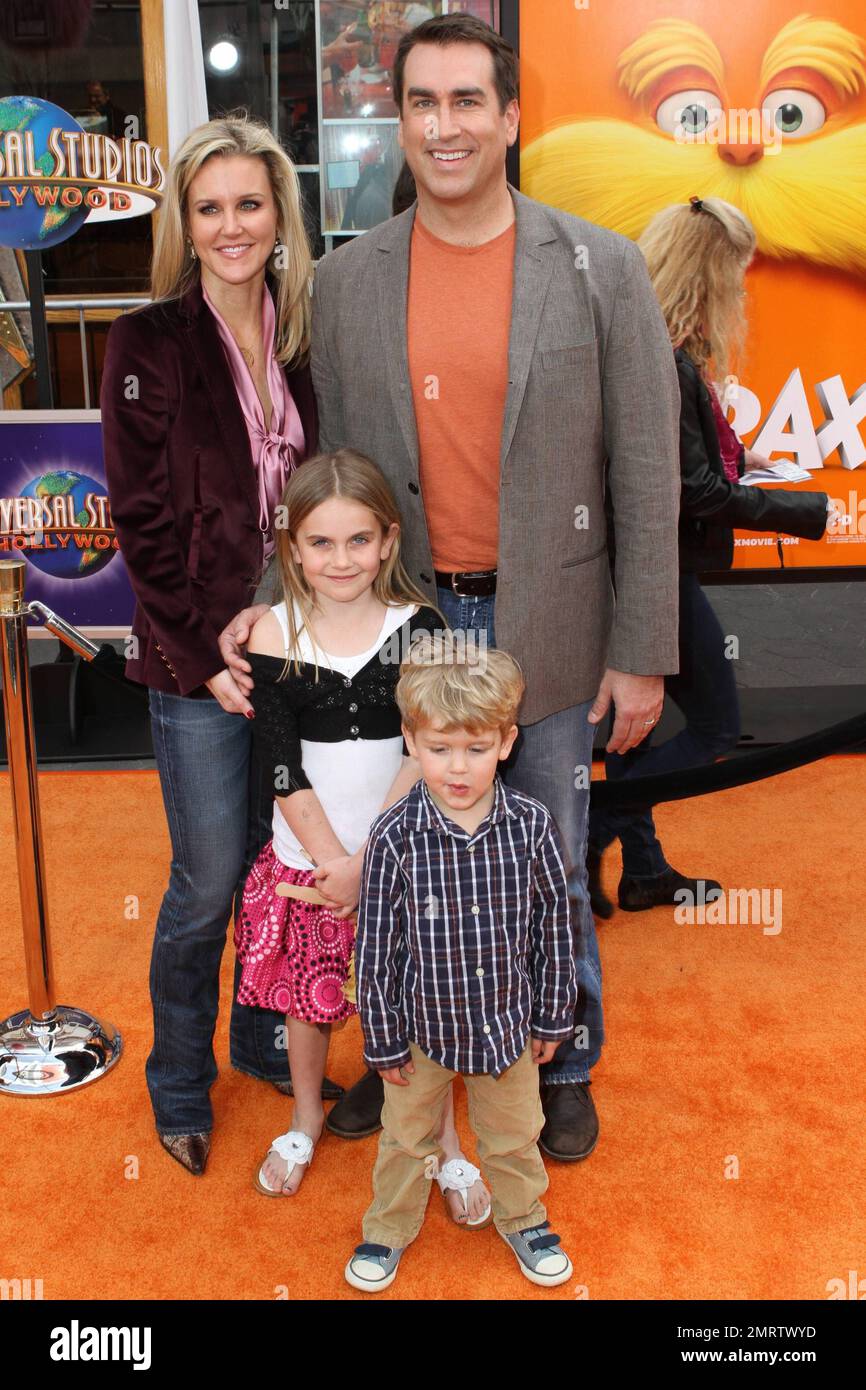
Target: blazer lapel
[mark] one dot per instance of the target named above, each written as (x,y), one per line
(533,267)
(393,296)
(207,349)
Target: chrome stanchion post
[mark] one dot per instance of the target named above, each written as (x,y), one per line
(49,1047)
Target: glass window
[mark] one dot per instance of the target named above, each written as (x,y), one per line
(87,59)
(361,166)
(262,56)
(361,159)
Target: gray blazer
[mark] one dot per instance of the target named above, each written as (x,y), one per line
(592,394)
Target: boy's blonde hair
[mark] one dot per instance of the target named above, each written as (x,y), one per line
(473,692)
(696,261)
(173,269)
(349,474)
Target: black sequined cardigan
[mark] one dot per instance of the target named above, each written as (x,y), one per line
(330,710)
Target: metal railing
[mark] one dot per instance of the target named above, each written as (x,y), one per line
(81,306)
(48,1047)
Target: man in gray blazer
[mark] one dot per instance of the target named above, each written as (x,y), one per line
(590,394)
(558,346)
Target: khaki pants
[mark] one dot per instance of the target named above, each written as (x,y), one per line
(506,1117)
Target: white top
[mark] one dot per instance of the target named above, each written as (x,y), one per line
(351,778)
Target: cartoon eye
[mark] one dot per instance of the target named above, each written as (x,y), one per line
(794,113)
(691,111)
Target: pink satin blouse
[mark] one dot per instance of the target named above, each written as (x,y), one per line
(277,449)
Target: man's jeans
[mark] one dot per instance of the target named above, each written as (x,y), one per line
(219,811)
(706,691)
(551,761)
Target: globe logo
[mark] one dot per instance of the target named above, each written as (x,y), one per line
(76,539)
(30,226)
(54,175)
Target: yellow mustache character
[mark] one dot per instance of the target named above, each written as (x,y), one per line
(805,197)
(808,200)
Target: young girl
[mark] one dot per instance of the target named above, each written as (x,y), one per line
(325,662)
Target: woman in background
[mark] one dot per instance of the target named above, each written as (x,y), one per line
(697,255)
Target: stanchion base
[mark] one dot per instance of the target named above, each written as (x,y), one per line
(41,1057)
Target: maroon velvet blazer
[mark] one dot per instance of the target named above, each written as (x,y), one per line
(182,485)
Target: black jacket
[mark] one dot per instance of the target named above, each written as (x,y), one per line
(333,709)
(711,506)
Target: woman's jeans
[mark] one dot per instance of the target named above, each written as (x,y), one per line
(219,811)
(544,763)
(706,691)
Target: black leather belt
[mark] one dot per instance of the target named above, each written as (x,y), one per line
(468,583)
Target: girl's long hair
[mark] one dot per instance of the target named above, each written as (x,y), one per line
(356,478)
(696,259)
(173,269)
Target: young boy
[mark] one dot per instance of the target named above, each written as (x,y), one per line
(465,965)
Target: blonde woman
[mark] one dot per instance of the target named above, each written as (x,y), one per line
(697,255)
(207,408)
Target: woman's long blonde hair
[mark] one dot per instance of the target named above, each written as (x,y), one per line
(696,258)
(174,271)
(355,477)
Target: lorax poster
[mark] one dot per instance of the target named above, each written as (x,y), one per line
(628,108)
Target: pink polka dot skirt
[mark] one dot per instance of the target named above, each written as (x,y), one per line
(294,955)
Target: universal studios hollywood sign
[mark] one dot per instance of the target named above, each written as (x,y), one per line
(54,175)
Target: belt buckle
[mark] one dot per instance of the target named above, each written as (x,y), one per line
(459,592)
(469,574)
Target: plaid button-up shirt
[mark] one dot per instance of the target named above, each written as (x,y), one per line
(464,943)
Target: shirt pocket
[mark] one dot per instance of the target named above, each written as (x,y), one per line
(576,355)
(585,559)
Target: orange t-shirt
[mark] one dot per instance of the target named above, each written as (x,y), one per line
(459,320)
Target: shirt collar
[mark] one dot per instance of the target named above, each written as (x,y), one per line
(423,813)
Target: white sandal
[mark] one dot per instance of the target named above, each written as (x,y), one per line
(458,1175)
(296,1148)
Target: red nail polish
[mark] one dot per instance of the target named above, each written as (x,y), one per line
(250,713)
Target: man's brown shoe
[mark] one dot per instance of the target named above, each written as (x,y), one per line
(571,1123)
(190,1150)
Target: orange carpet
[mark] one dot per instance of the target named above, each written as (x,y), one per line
(726,1047)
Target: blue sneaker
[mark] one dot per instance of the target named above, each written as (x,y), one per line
(539,1255)
(372,1267)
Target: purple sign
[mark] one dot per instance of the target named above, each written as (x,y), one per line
(55,512)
